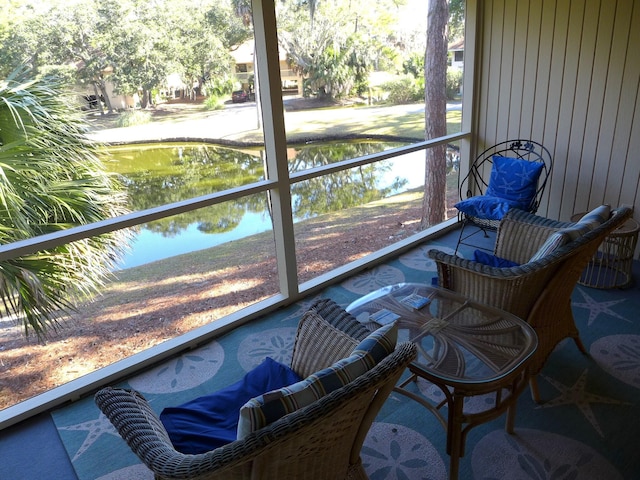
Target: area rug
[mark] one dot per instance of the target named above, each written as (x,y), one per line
(585,429)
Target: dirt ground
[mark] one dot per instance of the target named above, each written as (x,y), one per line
(129,319)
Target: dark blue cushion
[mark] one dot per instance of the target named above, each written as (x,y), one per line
(211,421)
(487,207)
(515,180)
(491,260)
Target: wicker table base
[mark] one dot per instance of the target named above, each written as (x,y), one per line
(611,265)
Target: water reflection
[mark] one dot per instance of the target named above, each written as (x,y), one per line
(160,174)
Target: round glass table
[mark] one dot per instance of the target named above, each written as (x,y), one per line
(464,347)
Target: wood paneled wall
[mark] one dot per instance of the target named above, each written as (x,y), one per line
(567,74)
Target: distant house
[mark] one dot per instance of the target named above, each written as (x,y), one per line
(457,53)
(242,69)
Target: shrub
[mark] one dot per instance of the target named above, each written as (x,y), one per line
(405,89)
(133,117)
(213,102)
(454,82)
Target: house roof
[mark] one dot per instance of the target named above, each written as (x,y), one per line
(244,53)
(457,45)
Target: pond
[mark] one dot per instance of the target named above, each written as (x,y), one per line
(158,174)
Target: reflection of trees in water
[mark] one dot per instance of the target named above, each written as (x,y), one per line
(343,189)
(159,176)
(162,176)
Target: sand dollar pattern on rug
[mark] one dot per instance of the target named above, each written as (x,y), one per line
(534,454)
(619,355)
(276,343)
(396,452)
(373,279)
(183,372)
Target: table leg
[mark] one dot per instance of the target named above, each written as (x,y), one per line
(455,448)
(511,418)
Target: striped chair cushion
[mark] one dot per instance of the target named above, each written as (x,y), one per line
(265,409)
(596,217)
(588,222)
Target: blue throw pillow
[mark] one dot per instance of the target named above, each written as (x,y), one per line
(487,207)
(491,260)
(210,421)
(515,180)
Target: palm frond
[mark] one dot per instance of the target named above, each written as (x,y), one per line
(51,179)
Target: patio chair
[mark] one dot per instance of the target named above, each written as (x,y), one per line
(550,257)
(517,172)
(318,441)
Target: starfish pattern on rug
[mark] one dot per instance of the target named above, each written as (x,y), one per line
(596,308)
(96,429)
(577,395)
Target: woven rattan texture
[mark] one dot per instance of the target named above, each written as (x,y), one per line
(538,292)
(321,441)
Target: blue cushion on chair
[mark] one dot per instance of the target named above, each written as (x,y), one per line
(210,421)
(515,180)
(491,260)
(484,206)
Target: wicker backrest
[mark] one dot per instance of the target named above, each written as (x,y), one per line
(538,292)
(321,441)
(551,315)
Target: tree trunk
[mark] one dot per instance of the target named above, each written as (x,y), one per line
(435,113)
(144,99)
(105,96)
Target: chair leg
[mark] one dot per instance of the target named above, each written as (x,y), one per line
(580,345)
(533,386)
(464,224)
(511,418)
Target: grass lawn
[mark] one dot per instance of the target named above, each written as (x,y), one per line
(392,121)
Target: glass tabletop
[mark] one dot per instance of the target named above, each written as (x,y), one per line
(459,340)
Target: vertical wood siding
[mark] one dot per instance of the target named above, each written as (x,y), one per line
(565,73)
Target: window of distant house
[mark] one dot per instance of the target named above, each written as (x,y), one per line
(458,55)
(241,68)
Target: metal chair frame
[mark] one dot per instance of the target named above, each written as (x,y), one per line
(477,180)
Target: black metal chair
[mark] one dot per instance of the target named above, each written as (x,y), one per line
(497,181)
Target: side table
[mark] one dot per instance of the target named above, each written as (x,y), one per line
(611,266)
(465,348)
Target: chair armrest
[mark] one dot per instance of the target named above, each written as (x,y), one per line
(513,289)
(521,234)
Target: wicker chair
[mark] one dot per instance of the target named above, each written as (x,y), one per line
(476,184)
(538,291)
(320,441)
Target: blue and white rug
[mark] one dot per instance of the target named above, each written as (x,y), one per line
(586,429)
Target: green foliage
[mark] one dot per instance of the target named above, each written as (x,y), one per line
(220,87)
(406,89)
(133,117)
(454,82)
(131,43)
(456,19)
(414,65)
(338,48)
(51,180)
(65,75)
(213,102)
